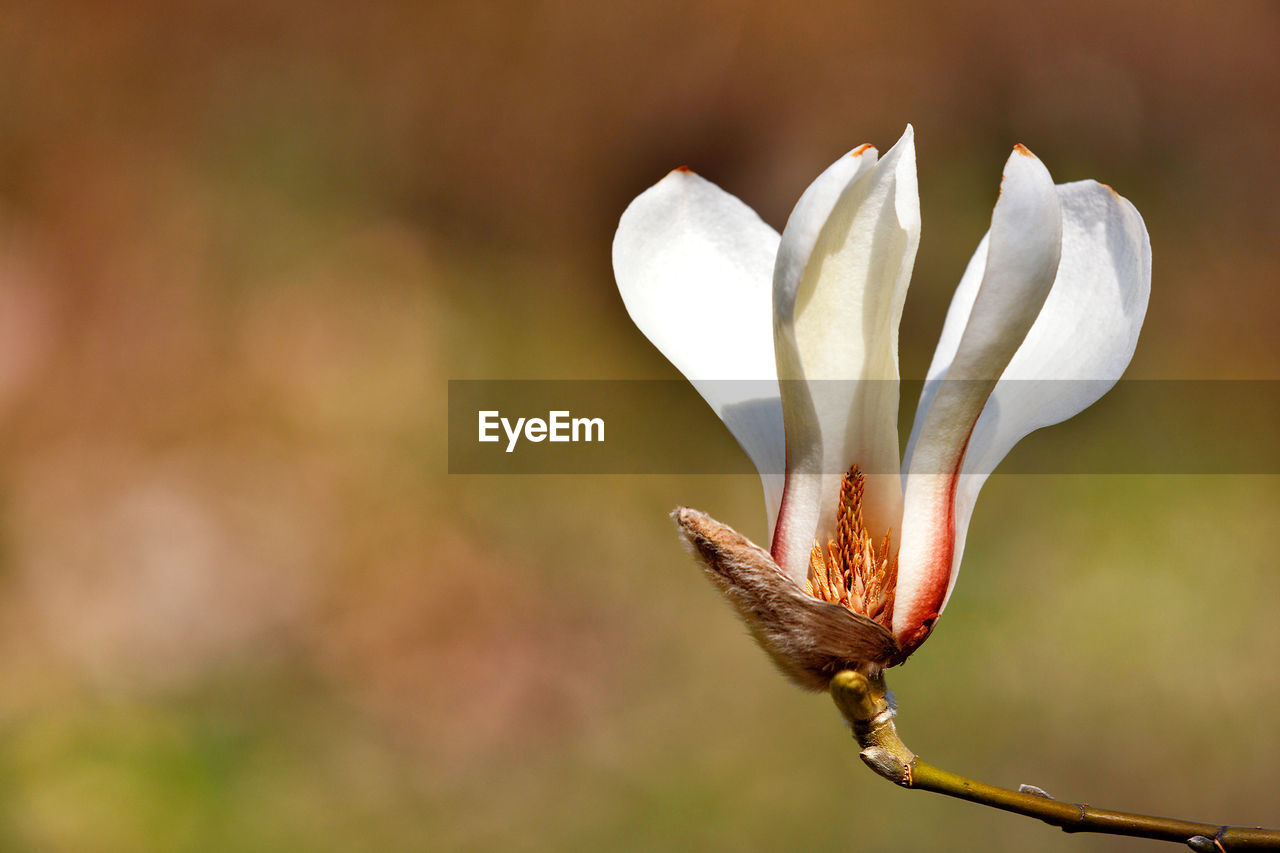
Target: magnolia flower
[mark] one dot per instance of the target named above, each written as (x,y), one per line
(793,340)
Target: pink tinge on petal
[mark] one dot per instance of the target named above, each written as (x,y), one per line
(914,617)
(778,547)
(793,535)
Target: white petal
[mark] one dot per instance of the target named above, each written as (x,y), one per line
(841,279)
(694,266)
(1080,344)
(1020,258)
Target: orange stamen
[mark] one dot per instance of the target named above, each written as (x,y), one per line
(851,570)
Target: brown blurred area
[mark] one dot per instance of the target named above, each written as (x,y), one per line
(244,246)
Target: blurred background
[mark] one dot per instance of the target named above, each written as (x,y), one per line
(243,606)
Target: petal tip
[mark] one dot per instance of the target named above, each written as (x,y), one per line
(903,152)
(862,149)
(1022,165)
(682,170)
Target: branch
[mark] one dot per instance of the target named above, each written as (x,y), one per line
(864,703)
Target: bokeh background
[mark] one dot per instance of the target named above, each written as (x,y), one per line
(243,606)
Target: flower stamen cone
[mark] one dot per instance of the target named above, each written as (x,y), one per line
(852,570)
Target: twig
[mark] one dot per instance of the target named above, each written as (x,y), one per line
(864,703)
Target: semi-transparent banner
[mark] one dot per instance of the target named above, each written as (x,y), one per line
(664,427)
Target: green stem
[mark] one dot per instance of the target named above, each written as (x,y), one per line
(864,703)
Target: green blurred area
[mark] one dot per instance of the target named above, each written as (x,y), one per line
(243,247)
